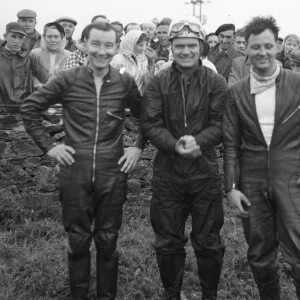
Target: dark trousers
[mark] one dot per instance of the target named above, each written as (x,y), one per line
(83,202)
(172,201)
(274,219)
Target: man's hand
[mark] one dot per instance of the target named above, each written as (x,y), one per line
(151,55)
(130,159)
(186,146)
(239,203)
(63,154)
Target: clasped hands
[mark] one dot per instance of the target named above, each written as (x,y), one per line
(187,147)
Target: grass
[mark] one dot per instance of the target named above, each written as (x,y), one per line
(33,262)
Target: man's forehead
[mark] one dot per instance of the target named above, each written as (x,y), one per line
(52,31)
(27,18)
(147,25)
(67,22)
(227,33)
(163,27)
(102,35)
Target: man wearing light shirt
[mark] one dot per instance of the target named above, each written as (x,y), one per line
(261,132)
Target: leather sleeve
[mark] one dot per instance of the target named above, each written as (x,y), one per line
(33,107)
(152,118)
(211,136)
(231,129)
(234,75)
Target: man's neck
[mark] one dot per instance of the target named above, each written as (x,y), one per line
(99,73)
(12,51)
(31,34)
(187,73)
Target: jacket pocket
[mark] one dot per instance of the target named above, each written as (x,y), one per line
(291,115)
(294,191)
(114,116)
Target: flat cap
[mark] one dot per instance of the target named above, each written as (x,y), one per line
(15,27)
(225,27)
(26,13)
(295,56)
(68,19)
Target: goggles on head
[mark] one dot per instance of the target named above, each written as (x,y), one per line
(178,26)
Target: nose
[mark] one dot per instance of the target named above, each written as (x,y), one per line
(186,50)
(262,51)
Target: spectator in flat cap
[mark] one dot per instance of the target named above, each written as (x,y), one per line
(48,60)
(224,52)
(69,25)
(295,61)
(27,18)
(15,76)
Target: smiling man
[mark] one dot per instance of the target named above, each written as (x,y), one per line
(162,34)
(261,132)
(224,52)
(181,116)
(27,18)
(93,163)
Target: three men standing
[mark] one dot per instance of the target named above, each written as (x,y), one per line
(181,116)
(261,132)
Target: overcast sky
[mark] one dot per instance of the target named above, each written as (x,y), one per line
(217,11)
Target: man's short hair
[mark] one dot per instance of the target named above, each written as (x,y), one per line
(166,20)
(240,32)
(259,24)
(208,35)
(103,26)
(117,23)
(292,36)
(99,16)
(131,24)
(83,36)
(55,25)
(163,23)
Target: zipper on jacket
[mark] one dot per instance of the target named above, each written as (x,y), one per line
(96,137)
(113,115)
(291,114)
(184,102)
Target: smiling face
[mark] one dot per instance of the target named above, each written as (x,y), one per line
(149,29)
(69,28)
(53,39)
(240,43)
(186,52)
(262,52)
(162,34)
(140,48)
(101,48)
(226,39)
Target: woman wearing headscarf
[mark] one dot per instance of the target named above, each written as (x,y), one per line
(48,60)
(291,42)
(135,58)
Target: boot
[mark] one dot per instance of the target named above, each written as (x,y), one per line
(107,276)
(79,274)
(171,267)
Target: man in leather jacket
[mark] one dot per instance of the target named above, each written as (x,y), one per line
(181,115)
(94,167)
(261,132)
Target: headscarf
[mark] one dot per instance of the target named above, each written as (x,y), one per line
(129,41)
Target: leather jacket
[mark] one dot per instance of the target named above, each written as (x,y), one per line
(244,143)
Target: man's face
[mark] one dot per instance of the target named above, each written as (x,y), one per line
(69,28)
(28,23)
(290,44)
(212,41)
(186,52)
(162,35)
(279,46)
(240,43)
(262,52)
(149,29)
(101,48)
(53,39)
(14,41)
(226,39)
(295,66)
